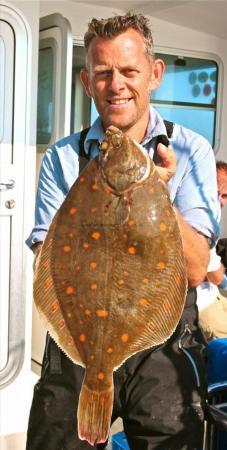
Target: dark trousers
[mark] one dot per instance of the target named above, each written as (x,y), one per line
(158,394)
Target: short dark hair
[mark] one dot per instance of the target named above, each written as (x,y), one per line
(113,26)
(221,165)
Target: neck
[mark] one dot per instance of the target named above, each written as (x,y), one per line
(138,131)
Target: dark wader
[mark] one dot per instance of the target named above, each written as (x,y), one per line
(158,393)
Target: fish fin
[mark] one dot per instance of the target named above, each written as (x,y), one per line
(47,304)
(94,414)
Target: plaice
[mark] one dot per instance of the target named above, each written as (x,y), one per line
(110,280)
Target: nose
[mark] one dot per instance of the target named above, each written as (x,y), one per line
(116,81)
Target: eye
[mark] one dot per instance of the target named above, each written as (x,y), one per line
(130,72)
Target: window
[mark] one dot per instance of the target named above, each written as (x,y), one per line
(45,96)
(188,93)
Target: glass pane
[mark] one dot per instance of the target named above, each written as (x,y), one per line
(188,80)
(2,65)
(199,120)
(188,93)
(80,104)
(45,96)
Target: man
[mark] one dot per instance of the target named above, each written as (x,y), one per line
(212,293)
(157,393)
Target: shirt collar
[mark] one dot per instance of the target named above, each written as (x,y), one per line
(155,127)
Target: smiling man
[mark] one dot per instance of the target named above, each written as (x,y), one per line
(157,392)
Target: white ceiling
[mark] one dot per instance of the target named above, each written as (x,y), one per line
(209,16)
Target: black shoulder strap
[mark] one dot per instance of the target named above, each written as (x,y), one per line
(162,138)
(169,127)
(83,135)
(83,156)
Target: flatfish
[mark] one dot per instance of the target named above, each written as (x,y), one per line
(110,280)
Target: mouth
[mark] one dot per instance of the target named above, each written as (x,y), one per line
(119,101)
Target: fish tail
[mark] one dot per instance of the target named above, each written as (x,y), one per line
(94,414)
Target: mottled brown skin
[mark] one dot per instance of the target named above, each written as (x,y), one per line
(113,266)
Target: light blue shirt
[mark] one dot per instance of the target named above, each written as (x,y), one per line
(193,188)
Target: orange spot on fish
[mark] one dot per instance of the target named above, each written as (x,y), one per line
(82,180)
(130,223)
(94,187)
(96,235)
(131,250)
(120,282)
(67,248)
(109,350)
(162,226)
(72,211)
(69,290)
(55,306)
(48,283)
(125,236)
(61,324)
(77,268)
(93,265)
(101,376)
(82,338)
(101,313)
(87,312)
(125,273)
(166,307)
(46,264)
(124,337)
(152,190)
(143,301)
(107,190)
(177,278)
(92,357)
(94,286)
(71,235)
(81,322)
(145,280)
(160,265)
(93,210)
(85,245)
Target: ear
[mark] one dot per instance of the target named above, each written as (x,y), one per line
(85,80)
(158,69)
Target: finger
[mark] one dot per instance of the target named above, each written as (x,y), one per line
(168,167)
(167,154)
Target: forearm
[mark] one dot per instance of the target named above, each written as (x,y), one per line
(196,252)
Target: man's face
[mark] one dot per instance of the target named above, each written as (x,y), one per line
(222,186)
(120,77)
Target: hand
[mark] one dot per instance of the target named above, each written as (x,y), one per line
(168,167)
(36,250)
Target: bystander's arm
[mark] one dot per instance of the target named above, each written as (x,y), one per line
(216,276)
